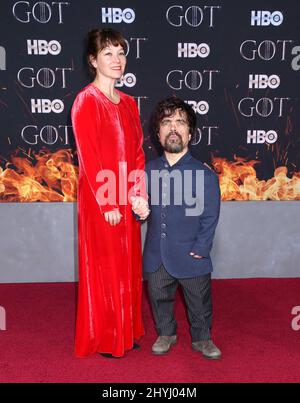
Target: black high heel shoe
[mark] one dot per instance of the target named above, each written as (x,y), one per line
(108,355)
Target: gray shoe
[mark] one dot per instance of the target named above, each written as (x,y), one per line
(207,348)
(163,344)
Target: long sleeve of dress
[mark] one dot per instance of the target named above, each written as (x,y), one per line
(86,127)
(140,181)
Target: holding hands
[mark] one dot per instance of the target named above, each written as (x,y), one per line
(140,206)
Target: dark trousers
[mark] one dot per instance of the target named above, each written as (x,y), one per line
(197,294)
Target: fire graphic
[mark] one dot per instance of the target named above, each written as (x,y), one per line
(238,181)
(52,177)
(39,177)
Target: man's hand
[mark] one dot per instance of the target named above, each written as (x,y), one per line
(113,217)
(195,256)
(140,206)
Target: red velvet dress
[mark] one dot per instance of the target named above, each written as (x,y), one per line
(110,273)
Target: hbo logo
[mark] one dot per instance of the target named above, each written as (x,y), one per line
(261,136)
(42,47)
(193,50)
(200,107)
(129,80)
(265,18)
(46,106)
(116,15)
(263,81)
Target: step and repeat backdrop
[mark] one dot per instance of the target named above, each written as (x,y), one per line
(236,63)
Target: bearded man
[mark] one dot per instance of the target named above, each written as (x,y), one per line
(184,198)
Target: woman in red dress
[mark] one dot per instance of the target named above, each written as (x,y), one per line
(109,140)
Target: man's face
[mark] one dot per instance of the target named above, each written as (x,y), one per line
(174,135)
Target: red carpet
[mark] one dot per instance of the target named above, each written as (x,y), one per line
(252,326)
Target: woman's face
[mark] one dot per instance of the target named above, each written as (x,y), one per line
(110,62)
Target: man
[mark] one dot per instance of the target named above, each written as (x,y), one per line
(184,198)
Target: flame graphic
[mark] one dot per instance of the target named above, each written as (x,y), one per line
(52,177)
(44,176)
(238,181)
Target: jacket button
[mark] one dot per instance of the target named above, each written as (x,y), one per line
(163,225)
(163,235)
(163,215)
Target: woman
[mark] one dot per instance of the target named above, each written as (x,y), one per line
(109,141)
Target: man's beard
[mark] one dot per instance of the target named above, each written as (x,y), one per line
(175,145)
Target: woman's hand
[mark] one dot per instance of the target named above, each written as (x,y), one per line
(113,217)
(140,206)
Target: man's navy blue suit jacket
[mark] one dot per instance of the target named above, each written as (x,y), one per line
(171,233)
